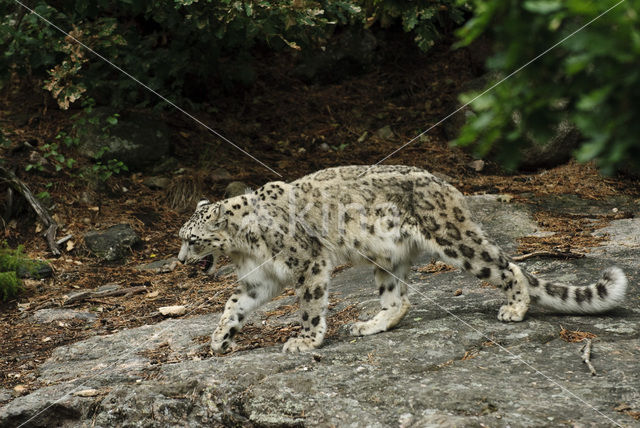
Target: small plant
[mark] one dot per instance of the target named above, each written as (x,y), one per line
(10,285)
(105,171)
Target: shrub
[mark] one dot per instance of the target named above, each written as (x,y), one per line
(591,79)
(184,49)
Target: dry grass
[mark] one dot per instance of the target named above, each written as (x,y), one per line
(575,336)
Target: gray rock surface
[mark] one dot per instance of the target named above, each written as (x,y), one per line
(112,244)
(449,363)
(54,314)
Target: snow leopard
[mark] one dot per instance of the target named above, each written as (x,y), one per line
(294,235)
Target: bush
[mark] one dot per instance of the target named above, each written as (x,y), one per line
(184,49)
(592,79)
(177,47)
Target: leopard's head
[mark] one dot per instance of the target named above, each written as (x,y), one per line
(204,235)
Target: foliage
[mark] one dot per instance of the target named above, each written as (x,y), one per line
(591,79)
(10,285)
(52,152)
(184,49)
(13,264)
(426,20)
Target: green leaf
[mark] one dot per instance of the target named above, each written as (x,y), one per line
(112,120)
(542,6)
(594,98)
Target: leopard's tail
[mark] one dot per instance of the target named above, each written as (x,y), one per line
(607,293)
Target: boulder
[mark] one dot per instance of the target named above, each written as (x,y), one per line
(138,140)
(112,244)
(449,362)
(157,183)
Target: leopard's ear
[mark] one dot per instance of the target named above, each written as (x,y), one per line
(203,203)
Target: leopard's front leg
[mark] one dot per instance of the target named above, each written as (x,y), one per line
(245,299)
(312,291)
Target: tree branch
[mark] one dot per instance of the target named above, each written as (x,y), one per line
(43,214)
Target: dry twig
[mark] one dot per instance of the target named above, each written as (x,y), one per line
(586,356)
(86,295)
(551,254)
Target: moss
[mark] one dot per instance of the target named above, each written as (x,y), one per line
(13,265)
(10,285)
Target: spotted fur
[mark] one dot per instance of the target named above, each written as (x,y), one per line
(295,234)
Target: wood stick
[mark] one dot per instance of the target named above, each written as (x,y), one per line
(81,297)
(586,356)
(552,254)
(43,214)
(64,239)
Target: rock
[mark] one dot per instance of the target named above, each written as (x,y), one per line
(235,188)
(43,316)
(173,311)
(154,182)
(220,174)
(385,133)
(37,269)
(161,266)
(164,166)
(325,147)
(477,165)
(113,243)
(20,389)
(138,140)
(5,395)
(556,150)
(447,363)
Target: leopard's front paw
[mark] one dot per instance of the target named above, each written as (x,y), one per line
(222,347)
(221,342)
(365,328)
(511,313)
(299,344)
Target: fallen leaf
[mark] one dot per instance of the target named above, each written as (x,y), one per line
(152,294)
(70,245)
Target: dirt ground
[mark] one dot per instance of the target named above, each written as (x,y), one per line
(282,121)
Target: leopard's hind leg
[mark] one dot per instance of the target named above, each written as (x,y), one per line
(392,287)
